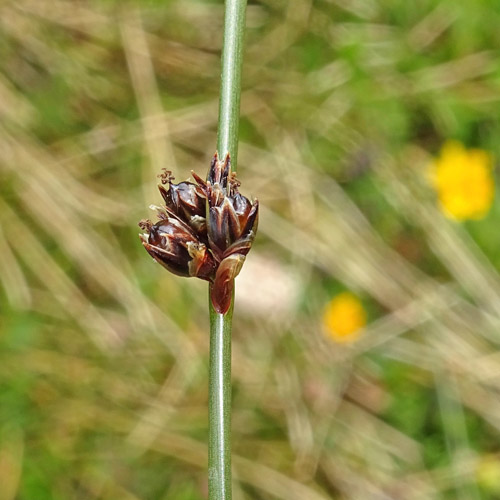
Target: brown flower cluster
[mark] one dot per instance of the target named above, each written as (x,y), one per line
(205,229)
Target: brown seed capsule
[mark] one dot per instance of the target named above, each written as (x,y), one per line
(232,219)
(186,200)
(232,224)
(174,245)
(206,229)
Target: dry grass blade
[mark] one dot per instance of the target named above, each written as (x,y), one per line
(12,277)
(12,450)
(156,133)
(42,265)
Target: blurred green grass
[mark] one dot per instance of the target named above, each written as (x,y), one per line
(103,369)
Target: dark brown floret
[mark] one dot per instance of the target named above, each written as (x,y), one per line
(205,230)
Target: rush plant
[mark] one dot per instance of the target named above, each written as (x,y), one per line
(205,230)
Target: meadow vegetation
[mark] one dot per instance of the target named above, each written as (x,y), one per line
(347,110)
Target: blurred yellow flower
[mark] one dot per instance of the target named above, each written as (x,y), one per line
(344,317)
(488,474)
(464,181)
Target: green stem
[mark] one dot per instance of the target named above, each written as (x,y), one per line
(230,88)
(219,404)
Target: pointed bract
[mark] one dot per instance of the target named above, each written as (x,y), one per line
(221,292)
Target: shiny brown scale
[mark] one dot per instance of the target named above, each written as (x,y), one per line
(185,243)
(176,247)
(186,200)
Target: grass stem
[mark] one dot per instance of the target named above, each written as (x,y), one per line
(230,88)
(219,406)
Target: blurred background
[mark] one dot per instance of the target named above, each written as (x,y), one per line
(366,359)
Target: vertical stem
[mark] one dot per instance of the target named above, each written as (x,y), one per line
(230,88)
(219,404)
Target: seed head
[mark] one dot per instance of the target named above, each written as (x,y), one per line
(205,230)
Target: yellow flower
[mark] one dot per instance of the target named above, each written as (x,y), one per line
(488,474)
(344,317)
(464,181)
